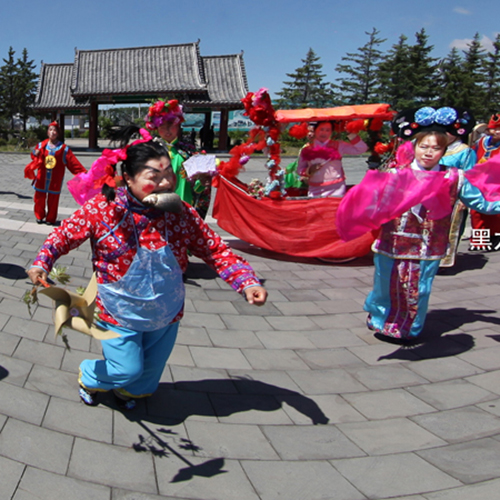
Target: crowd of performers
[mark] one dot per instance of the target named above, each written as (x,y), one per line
(143,221)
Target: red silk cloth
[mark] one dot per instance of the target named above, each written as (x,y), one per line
(301,228)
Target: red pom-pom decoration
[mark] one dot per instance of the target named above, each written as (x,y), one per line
(355,127)
(299,131)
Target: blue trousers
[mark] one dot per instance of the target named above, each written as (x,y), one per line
(132,364)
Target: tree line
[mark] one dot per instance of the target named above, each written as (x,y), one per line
(407,75)
(18,83)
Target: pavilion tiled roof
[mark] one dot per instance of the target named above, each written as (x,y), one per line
(54,89)
(140,70)
(144,72)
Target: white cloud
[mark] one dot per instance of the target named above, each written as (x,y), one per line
(461,10)
(462,43)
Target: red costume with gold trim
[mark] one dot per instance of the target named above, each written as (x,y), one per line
(48,179)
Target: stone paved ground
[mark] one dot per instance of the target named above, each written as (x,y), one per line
(295,400)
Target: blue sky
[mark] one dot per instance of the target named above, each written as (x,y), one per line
(274,34)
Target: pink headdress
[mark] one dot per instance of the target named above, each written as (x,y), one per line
(85,186)
(162,112)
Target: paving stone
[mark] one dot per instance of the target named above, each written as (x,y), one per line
(437,370)
(488,381)
(470,462)
(329,358)
(333,321)
(202,380)
(318,442)
(22,404)
(292,481)
(337,381)
(193,336)
(486,359)
(235,339)
(343,293)
(461,424)
(215,479)
(385,376)
(276,359)
(387,404)
(243,308)
(10,474)
(175,406)
(216,357)
(481,491)
(301,295)
(118,494)
(79,420)
(33,445)
(243,322)
(331,409)
(202,320)
(25,327)
(491,407)
(8,343)
(39,353)
(379,354)
(381,477)
(73,358)
(181,355)
(264,382)
(336,338)
(53,382)
(90,461)
(451,394)
(236,441)
(41,485)
(285,340)
(214,307)
(18,370)
(395,435)
(249,409)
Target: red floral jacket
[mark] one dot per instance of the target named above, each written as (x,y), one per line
(110,228)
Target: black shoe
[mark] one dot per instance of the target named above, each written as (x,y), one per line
(123,402)
(89,398)
(40,221)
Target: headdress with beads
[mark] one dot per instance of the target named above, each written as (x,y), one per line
(162,112)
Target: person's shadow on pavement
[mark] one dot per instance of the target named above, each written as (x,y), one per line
(433,343)
(173,403)
(4,373)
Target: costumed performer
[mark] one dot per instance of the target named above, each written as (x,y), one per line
(412,203)
(459,124)
(50,158)
(166,118)
(488,147)
(139,252)
(320,161)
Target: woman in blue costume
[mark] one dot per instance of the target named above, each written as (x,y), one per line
(412,203)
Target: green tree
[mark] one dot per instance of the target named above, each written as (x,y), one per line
(473,83)
(450,80)
(26,86)
(8,88)
(493,78)
(306,87)
(360,85)
(423,69)
(394,74)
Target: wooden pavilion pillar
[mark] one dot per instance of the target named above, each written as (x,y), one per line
(61,126)
(94,111)
(224,119)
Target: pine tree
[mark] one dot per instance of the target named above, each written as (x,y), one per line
(394,74)
(473,83)
(8,95)
(306,87)
(450,80)
(493,78)
(423,69)
(26,86)
(361,83)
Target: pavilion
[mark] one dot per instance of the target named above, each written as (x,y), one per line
(202,84)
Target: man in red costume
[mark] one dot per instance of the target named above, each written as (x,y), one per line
(50,158)
(487,147)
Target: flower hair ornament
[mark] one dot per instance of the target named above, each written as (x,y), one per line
(86,185)
(456,121)
(162,112)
